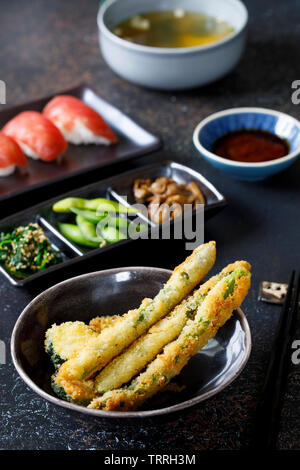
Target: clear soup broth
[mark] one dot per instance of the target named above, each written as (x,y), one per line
(173,28)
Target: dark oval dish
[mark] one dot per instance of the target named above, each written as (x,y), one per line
(115,291)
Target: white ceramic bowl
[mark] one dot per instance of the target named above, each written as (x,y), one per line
(172,68)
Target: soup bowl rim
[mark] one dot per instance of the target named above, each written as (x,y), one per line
(103,28)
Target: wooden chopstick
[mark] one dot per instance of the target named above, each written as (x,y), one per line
(269,408)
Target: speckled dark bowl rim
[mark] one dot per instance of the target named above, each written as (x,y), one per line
(122,414)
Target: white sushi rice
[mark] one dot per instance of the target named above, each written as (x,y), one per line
(8,170)
(28,150)
(80,134)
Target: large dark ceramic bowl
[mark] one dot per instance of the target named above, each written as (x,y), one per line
(116,291)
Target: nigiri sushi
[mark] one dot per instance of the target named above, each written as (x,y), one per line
(37,136)
(78,122)
(11,155)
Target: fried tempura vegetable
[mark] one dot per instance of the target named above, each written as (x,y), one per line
(214,311)
(100,323)
(79,392)
(128,364)
(111,342)
(82,392)
(63,340)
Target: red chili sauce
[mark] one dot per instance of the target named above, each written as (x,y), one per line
(250,145)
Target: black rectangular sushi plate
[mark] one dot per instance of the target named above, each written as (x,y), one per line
(78,160)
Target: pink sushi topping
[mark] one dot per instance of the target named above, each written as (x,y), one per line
(10,152)
(66,110)
(37,133)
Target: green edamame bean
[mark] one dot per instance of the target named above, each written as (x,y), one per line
(72,233)
(100,205)
(88,229)
(91,216)
(118,222)
(142,227)
(112,234)
(64,205)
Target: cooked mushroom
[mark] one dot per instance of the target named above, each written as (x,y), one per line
(159,186)
(172,188)
(176,198)
(199,198)
(166,199)
(141,190)
(156,199)
(176,210)
(159,213)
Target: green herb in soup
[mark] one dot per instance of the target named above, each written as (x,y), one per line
(173,28)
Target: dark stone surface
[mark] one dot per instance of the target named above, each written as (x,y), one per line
(50,46)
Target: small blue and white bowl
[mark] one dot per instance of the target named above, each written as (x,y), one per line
(218,124)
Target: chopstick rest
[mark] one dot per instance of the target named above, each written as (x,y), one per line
(272,292)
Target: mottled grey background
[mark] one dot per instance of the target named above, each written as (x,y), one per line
(46,47)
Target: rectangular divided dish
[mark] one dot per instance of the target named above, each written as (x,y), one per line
(114,188)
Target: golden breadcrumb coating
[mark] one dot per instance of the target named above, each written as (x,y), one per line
(129,363)
(65,339)
(78,391)
(100,323)
(214,311)
(113,340)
